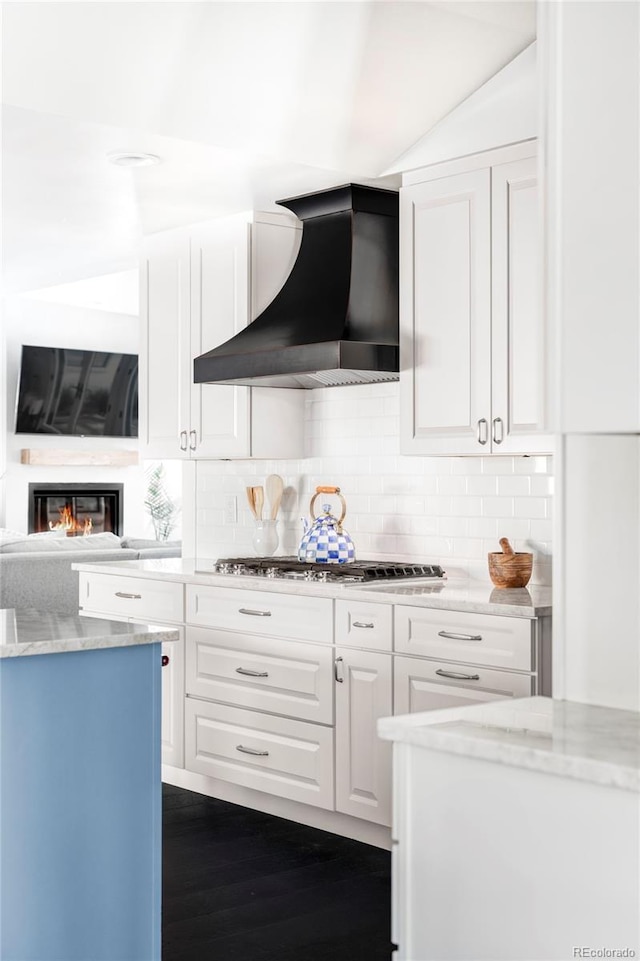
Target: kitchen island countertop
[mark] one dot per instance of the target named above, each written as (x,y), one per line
(579,741)
(455,594)
(28,632)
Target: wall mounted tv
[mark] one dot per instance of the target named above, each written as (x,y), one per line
(86,393)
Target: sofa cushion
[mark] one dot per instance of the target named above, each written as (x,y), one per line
(35,543)
(140,543)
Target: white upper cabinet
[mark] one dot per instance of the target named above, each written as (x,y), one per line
(199,287)
(472,346)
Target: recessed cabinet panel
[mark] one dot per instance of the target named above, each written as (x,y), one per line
(422,685)
(490,639)
(282,677)
(446,314)
(140,598)
(261,612)
(363,761)
(220,266)
(173,701)
(518,334)
(360,624)
(164,307)
(291,759)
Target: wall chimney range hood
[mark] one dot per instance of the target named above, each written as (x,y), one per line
(335,320)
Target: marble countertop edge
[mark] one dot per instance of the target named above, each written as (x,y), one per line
(561,738)
(66,645)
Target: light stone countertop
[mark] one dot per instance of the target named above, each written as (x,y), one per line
(581,741)
(28,632)
(446,594)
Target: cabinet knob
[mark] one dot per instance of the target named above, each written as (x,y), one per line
(165,660)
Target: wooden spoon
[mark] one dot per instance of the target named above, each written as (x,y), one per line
(274,486)
(506,547)
(258,494)
(252,501)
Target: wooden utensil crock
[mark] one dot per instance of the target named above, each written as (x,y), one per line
(510,568)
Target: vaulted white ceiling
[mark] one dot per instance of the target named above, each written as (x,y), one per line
(245,102)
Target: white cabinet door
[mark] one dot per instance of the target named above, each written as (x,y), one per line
(518,343)
(173,701)
(220,279)
(445,311)
(165,312)
(363,761)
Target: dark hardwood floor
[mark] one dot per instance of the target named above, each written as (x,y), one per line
(239,885)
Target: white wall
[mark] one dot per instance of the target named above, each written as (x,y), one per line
(448,510)
(590,57)
(29,321)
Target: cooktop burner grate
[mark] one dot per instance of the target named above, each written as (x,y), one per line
(275,567)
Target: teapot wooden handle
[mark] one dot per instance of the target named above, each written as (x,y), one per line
(329,490)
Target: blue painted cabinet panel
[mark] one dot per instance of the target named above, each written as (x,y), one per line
(80,806)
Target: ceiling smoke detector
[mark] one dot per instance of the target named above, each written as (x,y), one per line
(131,159)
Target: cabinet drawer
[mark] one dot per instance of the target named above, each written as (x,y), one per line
(261,612)
(360,624)
(137,597)
(245,670)
(422,685)
(291,759)
(501,642)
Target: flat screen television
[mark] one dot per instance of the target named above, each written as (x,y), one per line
(85,393)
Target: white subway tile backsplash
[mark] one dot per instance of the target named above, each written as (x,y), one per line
(448,510)
(530,506)
(518,485)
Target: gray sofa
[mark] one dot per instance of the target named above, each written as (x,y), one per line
(38,573)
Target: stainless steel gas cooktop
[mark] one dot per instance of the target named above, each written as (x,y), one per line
(290,567)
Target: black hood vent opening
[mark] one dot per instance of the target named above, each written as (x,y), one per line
(335,320)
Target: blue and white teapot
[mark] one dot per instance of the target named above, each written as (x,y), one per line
(325,542)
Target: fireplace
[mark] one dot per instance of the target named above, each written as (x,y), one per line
(76,508)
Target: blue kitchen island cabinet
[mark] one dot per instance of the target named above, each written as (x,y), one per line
(80,788)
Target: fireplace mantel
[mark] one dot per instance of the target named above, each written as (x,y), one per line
(54,457)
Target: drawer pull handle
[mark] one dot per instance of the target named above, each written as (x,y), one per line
(460,637)
(193,437)
(183,440)
(496,421)
(133,597)
(251,750)
(244,670)
(362,624)
(458,677)
(337,670)
(247,610)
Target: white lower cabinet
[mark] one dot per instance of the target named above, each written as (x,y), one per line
(363,761)
(245,670)
(144,599)
(424,685)
(291,759)
(172,737)
(284,690)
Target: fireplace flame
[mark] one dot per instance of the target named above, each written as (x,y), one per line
(69,523)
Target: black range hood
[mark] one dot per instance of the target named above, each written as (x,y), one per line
(335,320)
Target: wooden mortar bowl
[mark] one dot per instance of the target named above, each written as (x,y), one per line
(510,570)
